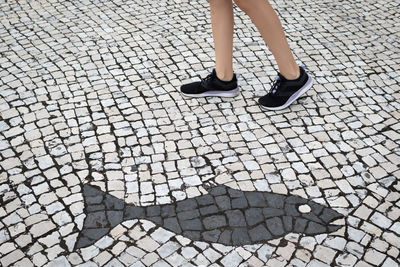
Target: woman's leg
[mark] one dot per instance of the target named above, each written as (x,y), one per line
(221,82)
(222,28)
(268,24)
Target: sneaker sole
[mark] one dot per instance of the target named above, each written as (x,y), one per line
(231,93)
(294,97)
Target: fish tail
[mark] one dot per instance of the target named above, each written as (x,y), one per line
(103,212)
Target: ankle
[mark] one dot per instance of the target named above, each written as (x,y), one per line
(292,74)
(225,76)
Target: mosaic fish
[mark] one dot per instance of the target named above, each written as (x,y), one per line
(224,215)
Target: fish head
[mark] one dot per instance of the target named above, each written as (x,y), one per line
(271,215)
(310,217)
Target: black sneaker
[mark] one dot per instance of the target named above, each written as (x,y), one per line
(284,92)
(211,86)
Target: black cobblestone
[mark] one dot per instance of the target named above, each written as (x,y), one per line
(254,216)
(235,218)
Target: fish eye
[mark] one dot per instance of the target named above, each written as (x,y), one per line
(304,208)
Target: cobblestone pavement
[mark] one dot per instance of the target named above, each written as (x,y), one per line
(102,162)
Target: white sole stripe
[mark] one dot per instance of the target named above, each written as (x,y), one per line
(231,93)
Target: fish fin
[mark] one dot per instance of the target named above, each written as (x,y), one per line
(334,228)
(103,212)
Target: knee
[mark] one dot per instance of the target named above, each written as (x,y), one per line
(245,5)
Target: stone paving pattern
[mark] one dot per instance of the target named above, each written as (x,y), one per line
(89,97)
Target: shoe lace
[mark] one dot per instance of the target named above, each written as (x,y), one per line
(275,85)
(208,79)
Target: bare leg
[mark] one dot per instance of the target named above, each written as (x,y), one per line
(222,27)
(268,24)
